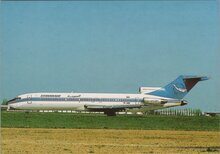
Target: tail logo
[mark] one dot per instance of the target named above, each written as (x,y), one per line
(179,89)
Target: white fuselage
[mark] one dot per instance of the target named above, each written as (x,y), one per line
(90,101)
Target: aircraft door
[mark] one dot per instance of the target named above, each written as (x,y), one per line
(29,99)
(136,100)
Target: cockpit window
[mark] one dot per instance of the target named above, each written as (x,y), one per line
(14,100)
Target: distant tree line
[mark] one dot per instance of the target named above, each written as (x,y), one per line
(178,112)
(4,101)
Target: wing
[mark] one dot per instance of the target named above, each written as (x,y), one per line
(111,107)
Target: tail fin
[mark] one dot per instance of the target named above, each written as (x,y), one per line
(179,87)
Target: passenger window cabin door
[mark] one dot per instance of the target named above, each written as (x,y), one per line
(29,99)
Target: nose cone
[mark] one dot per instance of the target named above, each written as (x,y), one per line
(14,103)
(183,102)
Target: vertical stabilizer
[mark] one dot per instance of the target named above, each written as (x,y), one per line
(179,87)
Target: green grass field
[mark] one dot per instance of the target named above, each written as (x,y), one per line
(75,120)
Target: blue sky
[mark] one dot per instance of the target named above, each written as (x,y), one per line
(110,47)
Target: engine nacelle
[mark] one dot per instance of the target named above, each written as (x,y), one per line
(154,101)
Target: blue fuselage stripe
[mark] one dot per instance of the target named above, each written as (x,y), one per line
(80,99)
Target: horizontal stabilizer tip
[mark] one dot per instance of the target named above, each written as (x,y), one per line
(200,78)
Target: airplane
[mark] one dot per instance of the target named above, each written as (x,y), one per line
(148,98)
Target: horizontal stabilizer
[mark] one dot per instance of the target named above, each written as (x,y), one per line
(148,89)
